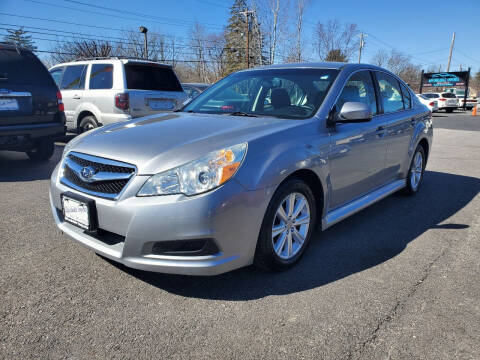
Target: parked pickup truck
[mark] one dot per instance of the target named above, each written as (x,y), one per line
(104,91)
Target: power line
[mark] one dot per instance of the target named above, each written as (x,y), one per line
(80,36)
(142,15)
(56,5)
(165,60)
(90,26)
(467,56)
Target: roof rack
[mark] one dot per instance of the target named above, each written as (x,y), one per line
(117,58)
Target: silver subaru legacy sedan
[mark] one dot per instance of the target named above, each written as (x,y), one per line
(243,173)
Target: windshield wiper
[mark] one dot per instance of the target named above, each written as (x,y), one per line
(241,113)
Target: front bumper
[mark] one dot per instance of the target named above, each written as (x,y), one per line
(229,215)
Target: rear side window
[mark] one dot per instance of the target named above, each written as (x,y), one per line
(390,93)
(74,77)
(151,77)
(407,98)
(359,88)
(101,76)
(22,67)
(57,75)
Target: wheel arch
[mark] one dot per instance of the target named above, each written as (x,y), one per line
(315,184)
(424,144)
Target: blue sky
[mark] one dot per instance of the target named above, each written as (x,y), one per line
(422,29)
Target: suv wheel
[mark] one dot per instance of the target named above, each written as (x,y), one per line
(449,110)
(415,174)
(287,226)
(87,123)
(42,151)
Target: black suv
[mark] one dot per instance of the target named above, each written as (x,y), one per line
(31,108)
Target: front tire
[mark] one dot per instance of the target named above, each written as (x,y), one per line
(415,173)
(87,123)
(287,226)
(42,151)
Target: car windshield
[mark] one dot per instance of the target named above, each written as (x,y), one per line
(282,93)
(432,96)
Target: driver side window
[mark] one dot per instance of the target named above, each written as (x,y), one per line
(359,88)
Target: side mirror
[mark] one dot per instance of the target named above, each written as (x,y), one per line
(354,112)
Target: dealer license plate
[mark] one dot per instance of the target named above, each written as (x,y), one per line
(76,212)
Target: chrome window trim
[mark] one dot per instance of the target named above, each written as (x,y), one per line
(345,83)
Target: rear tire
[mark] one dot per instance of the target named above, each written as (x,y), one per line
(449,110)
(291,214)
(88,123)
(42,151)
(415,173)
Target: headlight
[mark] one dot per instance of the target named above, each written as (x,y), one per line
(197,176)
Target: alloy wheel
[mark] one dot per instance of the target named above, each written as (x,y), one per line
(290,225)
(416,170)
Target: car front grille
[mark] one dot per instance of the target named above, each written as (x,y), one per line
(96,176)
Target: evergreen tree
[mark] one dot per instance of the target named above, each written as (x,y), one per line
(21,38)
(336,55)
(235,39)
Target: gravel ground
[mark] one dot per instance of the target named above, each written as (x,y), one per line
(399,280)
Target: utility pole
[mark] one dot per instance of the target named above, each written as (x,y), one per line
(451,51)
(144,31)
(361,45)
(247,33)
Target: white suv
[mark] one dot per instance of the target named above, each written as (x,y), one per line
(446,101)
(104,91)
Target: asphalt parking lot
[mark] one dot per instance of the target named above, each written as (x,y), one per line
(399,280)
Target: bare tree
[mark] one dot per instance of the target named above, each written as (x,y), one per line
(336,36)
(274,15)
(199,50)
(380,58)
(300,7)
(78,49)
(159,46)
(400,64)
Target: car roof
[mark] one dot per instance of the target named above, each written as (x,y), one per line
(318,65)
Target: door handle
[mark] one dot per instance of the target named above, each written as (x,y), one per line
(76,97)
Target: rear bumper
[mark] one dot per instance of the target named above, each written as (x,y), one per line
(24,136)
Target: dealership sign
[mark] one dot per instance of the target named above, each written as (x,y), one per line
(442,79)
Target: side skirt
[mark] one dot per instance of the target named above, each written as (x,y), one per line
(361,203)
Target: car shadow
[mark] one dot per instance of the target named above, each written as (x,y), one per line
(360,242)
(16,166)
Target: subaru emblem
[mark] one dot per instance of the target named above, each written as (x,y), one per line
(87,172)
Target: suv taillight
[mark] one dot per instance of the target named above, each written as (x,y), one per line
(61,107)
(432,104)
(122,101)
(442,99)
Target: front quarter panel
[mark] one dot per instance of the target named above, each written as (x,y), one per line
(273,158)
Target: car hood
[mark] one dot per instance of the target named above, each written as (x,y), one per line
(160,142)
